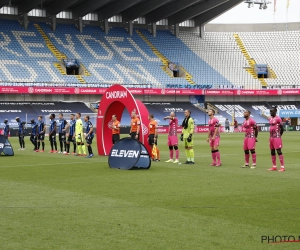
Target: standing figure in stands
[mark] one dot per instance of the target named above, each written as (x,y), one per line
(52,134)
(187,136)
(227,125)
(79,136)
(172,137)
(115,128)
(89,136)
(214,138)
(62,123)
(6,130)
(34,134)
(276,131)
(41,134)
(152,138)
(71,136)
(21,133)
(250,139)
(135,126)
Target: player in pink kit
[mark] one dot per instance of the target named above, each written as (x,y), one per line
(276,131)
(172,137)
(251,133)
(214,138)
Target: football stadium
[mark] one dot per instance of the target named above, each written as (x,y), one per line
(149,124)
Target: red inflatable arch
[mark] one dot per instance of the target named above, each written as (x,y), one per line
(114,101)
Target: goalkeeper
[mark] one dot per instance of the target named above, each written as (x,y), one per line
(79,136)
(187,136)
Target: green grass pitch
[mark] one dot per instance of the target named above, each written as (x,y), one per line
(52,201)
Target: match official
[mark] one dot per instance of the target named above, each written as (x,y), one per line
(135,126)
(187,136)
(115,128)
(152,138)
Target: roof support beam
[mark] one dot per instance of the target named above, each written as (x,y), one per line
(194,10)
(57,6)
(116,8)
(88,7)
(142,9)
(28,5)
(168,10)
(214,13)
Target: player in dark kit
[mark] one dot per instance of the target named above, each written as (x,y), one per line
(62,123)
(6,130)
(89,135)
(276,131)
(52,134)
(71,136)
(21,133)
(41,134)
(34,134)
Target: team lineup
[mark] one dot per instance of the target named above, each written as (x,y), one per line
(81,136)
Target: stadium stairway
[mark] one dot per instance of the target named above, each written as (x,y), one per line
(251,62)
(164,59)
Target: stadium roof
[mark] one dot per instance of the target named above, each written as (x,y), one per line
(176,11)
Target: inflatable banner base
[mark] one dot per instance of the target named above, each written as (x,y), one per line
(129,154)
(5,147)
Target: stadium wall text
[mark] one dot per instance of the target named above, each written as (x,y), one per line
(140,91)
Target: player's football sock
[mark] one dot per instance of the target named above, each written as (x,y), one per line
(171,153)
(55,145)
(192,155)
(187,153)
(218,156)
(39,144)
(23,143)
(51,144)
(74,147)
(273,160)
(61,146)
(90,150)
(254,159)
(79,147)
(214,156)
(177,154)
(281,159)
(247,158)
(157,153)
(20,142)
(83,150)
(68,148)
(43,145)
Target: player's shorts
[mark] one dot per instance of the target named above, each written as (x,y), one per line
(89,140)
(133,134)
(41,137)
(275,143)
(188,144)
(33,138)
(71,139)
(115,138)
(62,137)
(227,128)
(215,142)
(249,143)
(172,140)
(79,138)
(52,137)
(151,140)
